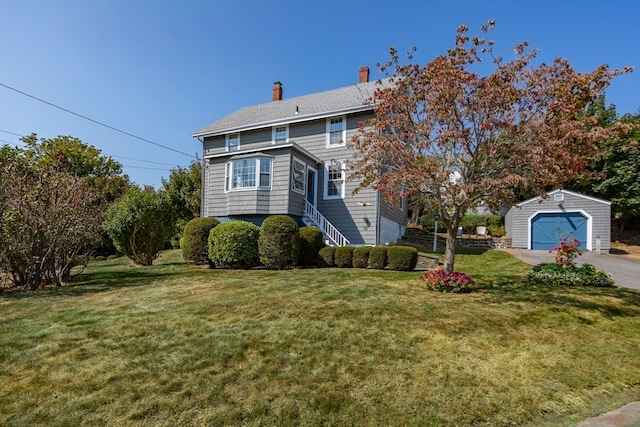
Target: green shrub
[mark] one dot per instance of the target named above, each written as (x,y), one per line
(234,245)
(497,231)
(279,242)
(561,274)
(344,257)
(310,243)
(402,258)
(427,222)
(469,222)
(195,239)
(328,256)
(361,256)
(378,257)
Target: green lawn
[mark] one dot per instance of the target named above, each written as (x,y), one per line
(175,344)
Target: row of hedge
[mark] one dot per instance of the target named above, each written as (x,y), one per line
(278,244)
(469,222)
(399,258)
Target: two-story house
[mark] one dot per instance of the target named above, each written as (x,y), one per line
(290,156)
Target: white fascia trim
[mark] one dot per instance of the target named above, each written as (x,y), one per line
(580,211)
(295,119)
(266,148)
(551,193)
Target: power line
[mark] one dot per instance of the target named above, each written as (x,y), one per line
(96,121)
(106,154)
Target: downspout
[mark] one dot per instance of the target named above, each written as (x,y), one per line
(202,180)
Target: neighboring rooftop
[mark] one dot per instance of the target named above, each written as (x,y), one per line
(349,99)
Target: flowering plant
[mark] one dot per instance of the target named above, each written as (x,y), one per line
(438,280)
(567,251)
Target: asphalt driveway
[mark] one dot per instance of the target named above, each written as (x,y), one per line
(625,270)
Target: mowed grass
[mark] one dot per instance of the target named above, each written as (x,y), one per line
(175,344)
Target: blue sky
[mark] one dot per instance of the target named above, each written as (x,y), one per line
(162,70)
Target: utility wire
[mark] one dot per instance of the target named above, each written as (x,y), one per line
(106,154)
(95,121)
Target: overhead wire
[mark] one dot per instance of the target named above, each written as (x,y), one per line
(96,121)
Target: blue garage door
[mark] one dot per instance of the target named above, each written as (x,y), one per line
(548,228)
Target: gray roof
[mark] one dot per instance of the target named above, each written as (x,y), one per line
(308,107)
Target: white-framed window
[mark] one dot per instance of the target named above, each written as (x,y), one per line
(248,174)
(334,179)
(298,176)
(280,134)
(233,142)
(337,131)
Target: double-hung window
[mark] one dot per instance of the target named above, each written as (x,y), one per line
(248,174)
(298,178)
(280,134)
(233,142)
(336,131)
(334,180)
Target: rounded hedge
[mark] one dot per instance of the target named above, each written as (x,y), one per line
(361,256)
(234,245)
(378,257)
(310,243)
(549,273)
(194,241)
(344,257)
(279,242)
(327,254)
(402,258)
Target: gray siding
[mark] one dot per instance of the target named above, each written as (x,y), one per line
(517,219)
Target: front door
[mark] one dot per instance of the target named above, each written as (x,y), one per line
(312,186)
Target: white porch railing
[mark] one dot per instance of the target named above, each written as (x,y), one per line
(327,228)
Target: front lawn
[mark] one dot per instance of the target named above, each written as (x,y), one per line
(175,344)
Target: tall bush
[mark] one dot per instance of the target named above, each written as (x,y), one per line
(344,257)
(194,242)
(140,224)
(361,256)
(378,257)
(234,245)
(279,242)
(310,243)
(402,258)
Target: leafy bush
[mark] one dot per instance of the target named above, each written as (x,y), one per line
(344,257)
(361,256)
(310,243)
(140,224)
(497,231)
(456,282)
(195,238)
(402,258)
(469,222)
(328,256)
(427,222)
(549,273)
(279,242)
(378,257)
(234,245)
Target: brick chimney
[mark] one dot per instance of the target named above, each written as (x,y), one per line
(364,74)
(277,91)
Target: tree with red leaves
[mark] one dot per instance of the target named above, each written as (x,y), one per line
(456,138)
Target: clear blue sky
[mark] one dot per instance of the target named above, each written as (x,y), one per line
(162,70)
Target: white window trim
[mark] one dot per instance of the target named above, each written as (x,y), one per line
(226,141)
(344,132)
(325,192)
(304,176)
(228,173)
(273,133)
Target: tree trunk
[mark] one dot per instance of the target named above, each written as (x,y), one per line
(450,249)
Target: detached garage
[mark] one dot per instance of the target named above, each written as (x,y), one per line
(540,223)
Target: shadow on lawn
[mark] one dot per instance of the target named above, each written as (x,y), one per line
(610,302)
